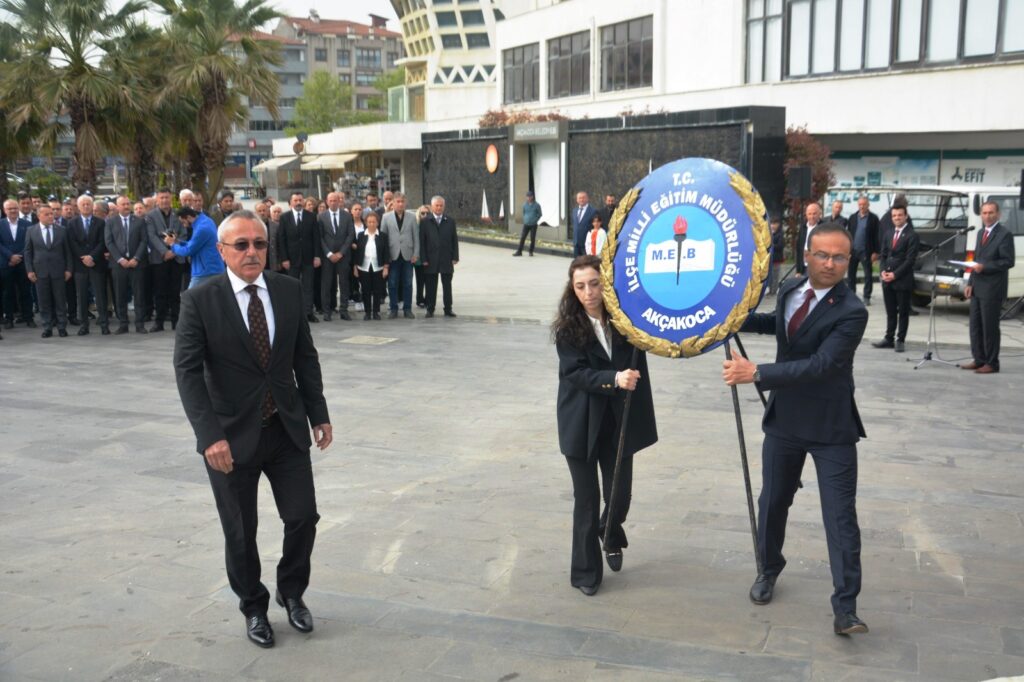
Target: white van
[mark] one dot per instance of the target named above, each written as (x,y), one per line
(938,212)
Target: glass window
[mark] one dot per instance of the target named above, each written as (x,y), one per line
(477,40)
(877,50)
(909,46)
(472,17)
(851,35)
(1013,36)
(569,65)
(320,54)
(365,78)
(392,58)
(446,18)
(627,54)
(824,55)
(521,74)
(764,41)
(799,37)
(981,26)
(943,29)
(755,51)
(345,78)
(344,58)
(368,58)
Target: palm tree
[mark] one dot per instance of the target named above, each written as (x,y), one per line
(215,60)
(14,142)
(61,72)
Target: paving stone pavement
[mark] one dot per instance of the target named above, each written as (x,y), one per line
(443,548)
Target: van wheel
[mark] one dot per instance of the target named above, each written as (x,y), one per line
(920,300)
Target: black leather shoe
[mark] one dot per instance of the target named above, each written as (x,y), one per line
(430,313)
(259,632)
(367,316)
(62,333)
(74,321)
(393,315)
(589,590)
(449,313)
(327,317)
(849,624)
(157,327)
(900,347)
(299,616)
(105,331)
(344,316)
(615,560)
(421,304)
(867,301)
(31,324)
(762,589)
(409,315)
(122,330)
(884,343)
(376,316)
(913,313)
(517,253)
(83,331)
(313,318)
(47,333)
(141,330)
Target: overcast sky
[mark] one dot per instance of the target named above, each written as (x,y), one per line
(353,10)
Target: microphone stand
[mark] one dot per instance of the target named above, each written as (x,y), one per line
(931,350)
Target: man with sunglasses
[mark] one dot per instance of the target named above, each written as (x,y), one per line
(249,379)
(818,325)
(201,246)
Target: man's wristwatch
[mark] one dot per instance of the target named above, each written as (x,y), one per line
(757,375)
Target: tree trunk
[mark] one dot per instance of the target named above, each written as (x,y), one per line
(84,177)
(214,148)
(196,169)
(145,160)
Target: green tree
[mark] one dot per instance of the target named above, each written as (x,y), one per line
(803,149)
(61,71)
(326,103)
(14,142)
(215,61)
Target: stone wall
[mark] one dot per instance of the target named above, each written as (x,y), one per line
(454,166)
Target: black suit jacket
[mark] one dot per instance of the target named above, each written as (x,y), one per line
(220,379)
(998,256)
(47,261)
(299,244)
(383,251)
(587,395)
(138,239)
(801,239)
(811,380)
(899,259)
(439,245)
(339,240)
(871,242)
(91,244)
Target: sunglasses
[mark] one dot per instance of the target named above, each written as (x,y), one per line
(242,245)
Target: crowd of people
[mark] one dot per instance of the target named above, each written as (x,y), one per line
(79,262)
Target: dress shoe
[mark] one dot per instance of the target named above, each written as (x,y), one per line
(762,589)
(105,331)
(344,316)
(615,560)
(299,616)
(430,313)
(62,333)
(531,254)
(259,632)
(74,321)
(408,314)
(848,624)
(47,333)
(83,331)
(31,324)
(900,347)
(327,317)
(141,330)
(121,330)
(449,313)
(376,316)
(913,313)
(421,304)
(589,590)
(312,318)
(157,327)
(393,315)
(367,316)
(517,253)
(986,369)
(970,365)
(867,301)
(884,343)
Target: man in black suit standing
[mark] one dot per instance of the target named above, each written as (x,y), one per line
(85,234)
(439,250)
(250,382)
(337,234)
(818,325)
(581,218)
(899,252)
(17,290)
(812,218)
(160,222)
(48,263)
(299,247)
(125,236)
(607,210)
(993,256)
(863,227)
(837,214)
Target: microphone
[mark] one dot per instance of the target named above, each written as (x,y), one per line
(966,230)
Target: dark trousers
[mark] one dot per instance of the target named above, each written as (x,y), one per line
(897,311)
(984,321)
(71,298)
(400,283)
(318,301)
(306,275)
(167,290)
(332,277)
(588,521)
(53,303)
(782,461)
(421,285)
(123,277)
(98,279)
(528,230)
(860,260)
(372,284)
(446,285)
(17,293)
(291,478)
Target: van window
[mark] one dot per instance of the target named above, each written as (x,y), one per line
(922,209)
(1009,212)
(956,213)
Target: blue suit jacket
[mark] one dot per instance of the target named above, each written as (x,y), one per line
(811,380)
(581,227)
(8,246)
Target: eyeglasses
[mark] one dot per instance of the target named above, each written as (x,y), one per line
(823,257)
(242,245)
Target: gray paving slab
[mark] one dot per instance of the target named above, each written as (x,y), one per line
(442,552)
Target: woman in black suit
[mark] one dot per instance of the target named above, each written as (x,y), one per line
(371,265)
(593,378)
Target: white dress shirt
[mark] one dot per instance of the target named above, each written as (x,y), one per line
(601,332)
(593,247)
(238,285)
(796,299)
(370,254)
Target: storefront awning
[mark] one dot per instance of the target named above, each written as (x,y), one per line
(327,161)
(277,163)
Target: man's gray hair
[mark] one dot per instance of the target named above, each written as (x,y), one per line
(238,216)
(396,195)
(436,197)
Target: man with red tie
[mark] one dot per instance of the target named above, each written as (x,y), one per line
(899,251)
(818,325)
(994,256)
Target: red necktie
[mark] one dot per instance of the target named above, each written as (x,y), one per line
(800,314)
(895,238)
(984,237)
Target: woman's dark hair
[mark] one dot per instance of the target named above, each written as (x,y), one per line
(572,326)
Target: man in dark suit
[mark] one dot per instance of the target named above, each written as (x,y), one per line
(64,213)
(994,255)
(299,247)
(250,382)
(27,208)
(837,214)
(126,240)
(899,252)
(167,271)
(337,234)
(818,325)
(225,205)
(582,216)
(812,218)
(86,237)
(607,210)
(439,249)
(48,263)
(863,227)
(17,289)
